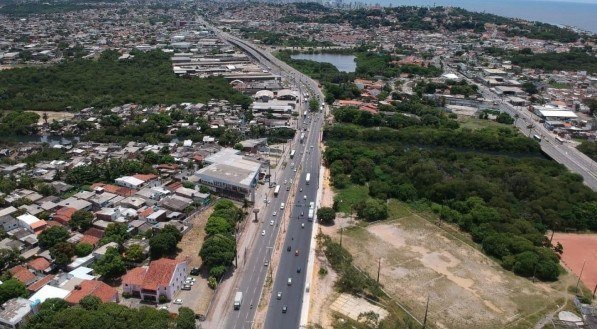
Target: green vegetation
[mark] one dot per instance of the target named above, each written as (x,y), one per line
(81,220)
(55,313)
(505,202)
(146,79)
(110,266)
(83,249)
(219,248)
(106,171)
(134,254)
(52,236)
(17,122)
(455,88)
(12,288)
(115,232)
(574,60)
(164,242)
(326,215)
(281,39)
(588,148)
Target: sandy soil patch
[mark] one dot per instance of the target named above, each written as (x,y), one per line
(466,289)
(52,115)
(579,248)
(351,306)
(322,292)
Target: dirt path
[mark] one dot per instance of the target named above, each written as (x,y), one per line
(322,291)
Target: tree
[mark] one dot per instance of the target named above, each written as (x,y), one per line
(90,302)
(373,209)
(313,105)
(134,254)
(81,220)
(115,232)
(218,249)
(12,288)
(217,225)
(62,253)
(186,319)
(162,244)
(9,258)
(110,265)
(83,249)
(326,215)
(52,236)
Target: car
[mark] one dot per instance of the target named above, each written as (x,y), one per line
(305,197)
(195,271)
(271,223)
(302,213)
(289,282)
(274,213)
(288,249)
(186,287)
(284,309)
(163,308)
(191,279)
(311,146)
(296,253)
(302,225)
(263,233)
(298,270)
(279,295)
(266,263)
(301,189)
(295,171)
(282,206)
(178,301)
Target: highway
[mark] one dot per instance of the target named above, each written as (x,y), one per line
(528,123)
(253,270)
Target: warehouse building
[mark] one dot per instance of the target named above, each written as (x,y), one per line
(230,174)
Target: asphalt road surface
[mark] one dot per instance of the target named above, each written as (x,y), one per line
(307,160)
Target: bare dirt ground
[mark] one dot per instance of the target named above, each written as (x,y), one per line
(53,116)
(579,248)
(199,296)
(322,291)
(466,288)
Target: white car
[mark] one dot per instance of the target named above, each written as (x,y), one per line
(178,301)
(271,223)
(305,197)
(275,213)
(302,225)
(263,233)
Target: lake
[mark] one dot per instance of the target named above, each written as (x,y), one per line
(344,63)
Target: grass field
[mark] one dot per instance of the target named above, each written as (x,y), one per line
(466,289)
(350,195)
(476,123)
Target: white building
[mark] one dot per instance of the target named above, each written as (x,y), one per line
(163,277)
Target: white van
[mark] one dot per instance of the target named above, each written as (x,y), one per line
(290,281)
(282,206)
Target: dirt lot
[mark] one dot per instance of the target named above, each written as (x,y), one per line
(466,288)
(53,116)
(199,296)
(577,249)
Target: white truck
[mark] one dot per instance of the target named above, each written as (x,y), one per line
(311,210)
(308,178)
(238,299)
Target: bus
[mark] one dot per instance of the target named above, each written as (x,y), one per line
(292,152)
(277,190)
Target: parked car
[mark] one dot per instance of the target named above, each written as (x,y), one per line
(186,287)
(195,271)
(178,301)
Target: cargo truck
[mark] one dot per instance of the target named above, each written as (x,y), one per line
(238,299)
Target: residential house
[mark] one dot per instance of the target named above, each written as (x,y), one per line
(14,313)
(92,288)
(22,274)
(32,223)
(163,277)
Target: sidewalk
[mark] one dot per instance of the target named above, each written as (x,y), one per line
(311,261)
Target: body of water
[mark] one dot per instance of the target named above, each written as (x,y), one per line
(344,63)
(582,15)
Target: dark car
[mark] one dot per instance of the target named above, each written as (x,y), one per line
(288,249)
(298,270)
(195,271)
(284,309)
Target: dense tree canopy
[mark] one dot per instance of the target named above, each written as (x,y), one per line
(12,288)
(146,79)
(110,265)
(53,235)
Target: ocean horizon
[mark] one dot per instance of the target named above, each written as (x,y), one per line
(581,14)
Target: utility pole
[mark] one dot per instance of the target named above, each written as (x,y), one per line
(426,311)
(378,269)
(580,275)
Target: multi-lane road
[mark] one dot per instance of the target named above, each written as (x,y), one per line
(291,222)
(529,125)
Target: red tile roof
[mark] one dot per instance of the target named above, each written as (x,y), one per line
(92,240)
(146,212)
(22,274)
(157,275)
(92,288)
(40,283)
(145,177)
(135,276)
(38,264)
(94,232)
(118,190)
(174,186)
(64,214)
